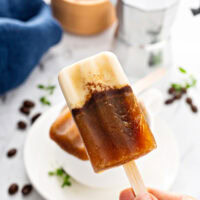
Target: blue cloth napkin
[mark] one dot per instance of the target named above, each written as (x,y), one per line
(27,31)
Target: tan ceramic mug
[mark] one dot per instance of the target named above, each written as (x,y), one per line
(84,17)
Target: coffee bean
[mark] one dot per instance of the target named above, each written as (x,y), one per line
(28,104)
(195,11)
(169,101)
(26,190)
(21,125)
(183,90)
(25,110)
(13,189)
(188,100)
(11,152)
(35,117)
(171,90)
(194,109)
(177,96)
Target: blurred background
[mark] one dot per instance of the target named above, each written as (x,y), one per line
(38,39)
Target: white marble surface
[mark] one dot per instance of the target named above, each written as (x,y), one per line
(186,125)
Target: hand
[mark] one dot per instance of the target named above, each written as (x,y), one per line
(153,194)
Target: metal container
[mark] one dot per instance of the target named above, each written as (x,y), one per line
(142,39)
(143,27)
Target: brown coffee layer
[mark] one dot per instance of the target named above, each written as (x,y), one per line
(113,128)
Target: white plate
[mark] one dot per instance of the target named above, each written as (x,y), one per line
(41,155)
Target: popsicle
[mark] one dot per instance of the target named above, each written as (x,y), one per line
(108,116)
(66,134)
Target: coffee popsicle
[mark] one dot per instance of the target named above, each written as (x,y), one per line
(108,116)
(66,134)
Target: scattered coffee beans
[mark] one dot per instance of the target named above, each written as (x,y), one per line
(169,101)
(184,90)
(195,11)
(26,190)
(13,189)
(177,95)
(35,117)
(21,125)
(171,90)
(28,104)
(11,152)
(188,100)
(194,109)
(25,110)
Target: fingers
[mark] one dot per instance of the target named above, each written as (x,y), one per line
(128,194)
(168,196)
(154,194)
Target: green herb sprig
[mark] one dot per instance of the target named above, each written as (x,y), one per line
(50,90)
(60,172)
(182,70)
(45,101)
(188,83)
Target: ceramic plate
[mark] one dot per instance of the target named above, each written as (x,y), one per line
(41,155)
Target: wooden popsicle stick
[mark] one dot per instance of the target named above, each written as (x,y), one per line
(135,178)
(148,80)
(130,168)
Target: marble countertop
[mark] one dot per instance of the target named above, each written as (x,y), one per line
(185,124)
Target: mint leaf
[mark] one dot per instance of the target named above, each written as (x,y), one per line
(51,173)
(51,88)
(40,86)
(182,70)
(48,88)
(45,101)
(176,86)
(66,181)
(193,80)
(49,91)
(60,172)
